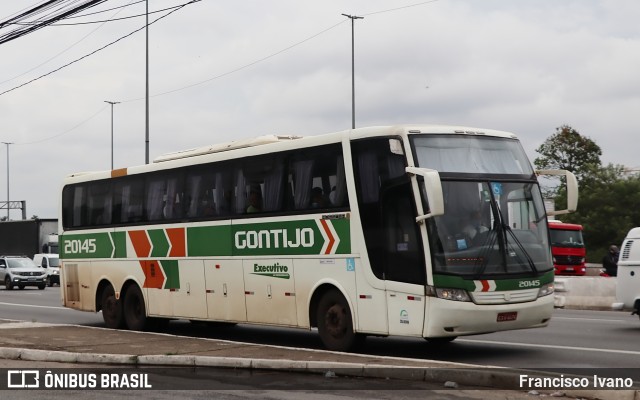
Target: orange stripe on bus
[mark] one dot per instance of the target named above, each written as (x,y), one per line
(332,240)
(153,275)
(140,243)
(115,173)
(178,243)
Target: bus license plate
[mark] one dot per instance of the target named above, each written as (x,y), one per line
(507,316)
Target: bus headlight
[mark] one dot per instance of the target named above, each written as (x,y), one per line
(448,293)
(545,290)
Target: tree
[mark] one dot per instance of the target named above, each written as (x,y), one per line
(610,210)
(607,205)
(569,150)
(607,208)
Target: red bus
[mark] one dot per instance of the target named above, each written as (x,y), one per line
(567,248)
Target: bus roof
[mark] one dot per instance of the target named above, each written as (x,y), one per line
(288,142)
(236,144)
(555,224)
(355,133)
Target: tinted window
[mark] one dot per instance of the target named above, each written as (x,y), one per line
(306,180)
(387,212)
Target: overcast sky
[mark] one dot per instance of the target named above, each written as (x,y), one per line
(225,70)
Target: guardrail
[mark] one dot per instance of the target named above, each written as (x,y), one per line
(585,292)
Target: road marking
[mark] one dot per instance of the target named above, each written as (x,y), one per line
(34,306)
(550,346)
(623,321)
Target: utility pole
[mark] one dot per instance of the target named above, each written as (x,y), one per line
(8,196)
(146,125)
(353,82)
(112,104)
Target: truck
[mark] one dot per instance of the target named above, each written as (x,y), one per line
(567,248)
(29,237)
(628,277)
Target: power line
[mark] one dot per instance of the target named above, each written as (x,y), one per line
(106,10)
(241,67)
(67,131)
(63,51)
(222,75)
(56,15)
(107,20)
(399,8)
(207,80)
(97,50)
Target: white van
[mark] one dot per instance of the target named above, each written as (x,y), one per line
(52,264)
(628,279)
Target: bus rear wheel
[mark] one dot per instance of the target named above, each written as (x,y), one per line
(335,324)
(111,309)
(135,312)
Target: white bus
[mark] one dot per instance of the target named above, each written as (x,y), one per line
(355,233)
(628,276)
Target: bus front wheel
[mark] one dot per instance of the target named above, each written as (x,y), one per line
(135,312)
(111,309)
(335,324)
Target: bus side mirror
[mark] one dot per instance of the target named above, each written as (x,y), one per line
(572,189)
(432,191)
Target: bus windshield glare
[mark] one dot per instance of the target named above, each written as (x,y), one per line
(471,154)
(494,221)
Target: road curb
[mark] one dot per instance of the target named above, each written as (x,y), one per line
(488,377)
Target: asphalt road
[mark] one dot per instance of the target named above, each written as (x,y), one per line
(600,340)
(233,384)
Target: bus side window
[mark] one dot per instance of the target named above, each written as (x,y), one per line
(317,179)
(99,201)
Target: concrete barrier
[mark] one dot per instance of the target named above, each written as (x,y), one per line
(585,292)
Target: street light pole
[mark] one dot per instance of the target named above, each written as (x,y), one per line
(112,104)
(353,82)
(146,124)
(8,196)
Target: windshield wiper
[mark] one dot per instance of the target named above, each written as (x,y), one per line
(503,230)
(521,247)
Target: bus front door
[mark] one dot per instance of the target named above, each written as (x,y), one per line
(404,267)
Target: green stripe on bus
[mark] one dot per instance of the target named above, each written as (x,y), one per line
(159,242)
(209,241)
(120,242)
(170,268)
(289,238)
(93,245)
(303,237)
(458,282)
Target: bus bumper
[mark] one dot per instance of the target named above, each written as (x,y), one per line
(455,318)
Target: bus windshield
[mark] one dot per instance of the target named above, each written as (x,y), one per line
(471,154)
(492,225)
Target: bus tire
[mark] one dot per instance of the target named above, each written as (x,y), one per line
(335,324)
(134,310)
(111,309)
